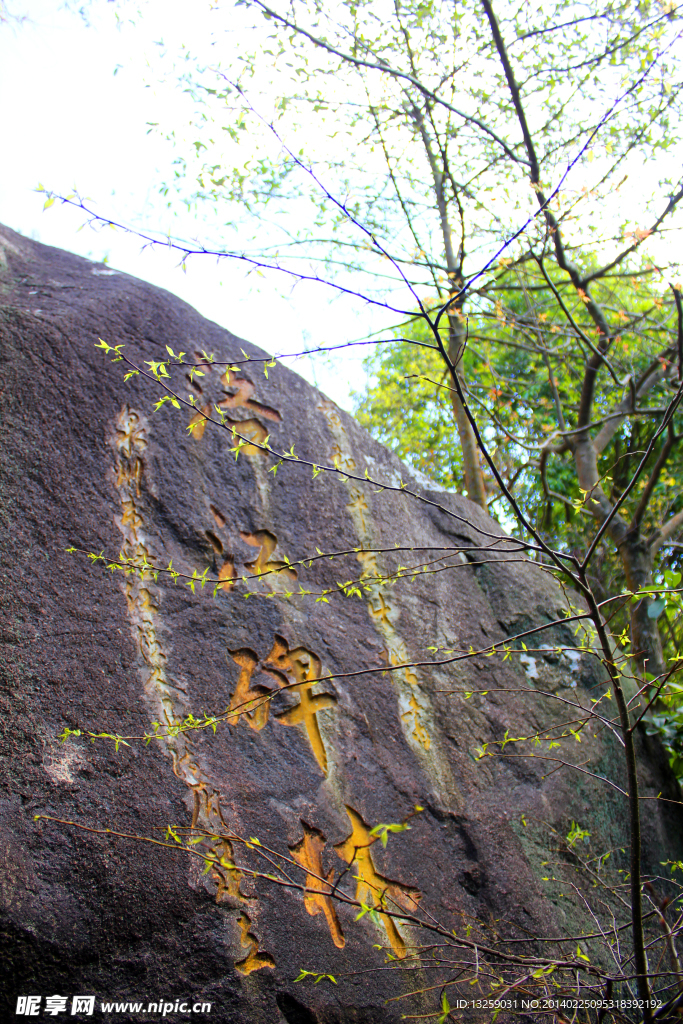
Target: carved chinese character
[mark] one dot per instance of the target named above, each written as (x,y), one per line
(255,959)
(308,854)
(242,397)
(251,703)
(373,889)
(304,667)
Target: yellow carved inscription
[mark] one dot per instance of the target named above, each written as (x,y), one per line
(373,889)
(303,668)
(308,854)
(241,397)
(255,959)
(296,671)
(253,431)
(197,424)
(227,574)
(264,563)
(248,699)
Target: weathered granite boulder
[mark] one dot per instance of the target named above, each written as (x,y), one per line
(306,769)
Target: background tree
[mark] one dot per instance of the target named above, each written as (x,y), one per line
(525,379)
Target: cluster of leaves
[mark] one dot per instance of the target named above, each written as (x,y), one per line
(524,362)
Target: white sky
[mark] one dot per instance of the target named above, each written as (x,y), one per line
(68,122)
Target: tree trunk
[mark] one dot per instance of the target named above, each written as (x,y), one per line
(636,557)
(474,477)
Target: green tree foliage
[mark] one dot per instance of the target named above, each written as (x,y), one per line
(402,408)
(523,365)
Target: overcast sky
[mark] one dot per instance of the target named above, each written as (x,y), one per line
(67,121)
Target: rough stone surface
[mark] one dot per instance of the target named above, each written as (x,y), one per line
(87,463)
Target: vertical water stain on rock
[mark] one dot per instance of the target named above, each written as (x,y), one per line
(415,713)
(143,599)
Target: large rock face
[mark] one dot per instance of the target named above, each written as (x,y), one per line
(307,769)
